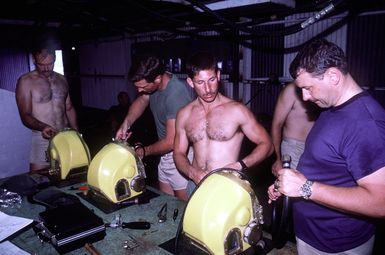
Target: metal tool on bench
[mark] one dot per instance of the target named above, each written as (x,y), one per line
(117,223)
(67,152)
(223,216)
(162,214)
(116,172)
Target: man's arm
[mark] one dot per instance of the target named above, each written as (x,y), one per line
(257,134)
(71,114)
(367,198)
(181,145)
(136,110)
(24,104)
(164,145)
(282,109)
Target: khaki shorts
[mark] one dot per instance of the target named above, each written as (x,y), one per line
(39,148)
(294,148)
(168,173)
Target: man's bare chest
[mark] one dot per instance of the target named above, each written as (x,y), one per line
(211,128)
(46,91)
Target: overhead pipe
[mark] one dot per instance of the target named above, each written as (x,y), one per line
(287,31)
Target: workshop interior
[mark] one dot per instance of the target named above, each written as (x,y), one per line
(98,195)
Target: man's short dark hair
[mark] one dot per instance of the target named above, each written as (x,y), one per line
(202,60)
(317,56)
(146,67)
(39,44)
(38,50)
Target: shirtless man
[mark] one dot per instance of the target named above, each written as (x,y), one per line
(44,105)
(215,126)
(292,121)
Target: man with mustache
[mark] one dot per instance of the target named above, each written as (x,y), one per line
(215,125)
(44,105)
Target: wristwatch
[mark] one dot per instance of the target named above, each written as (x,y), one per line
(305,190)
(243,165)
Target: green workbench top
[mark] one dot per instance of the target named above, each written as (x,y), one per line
(148,241)
(114,241)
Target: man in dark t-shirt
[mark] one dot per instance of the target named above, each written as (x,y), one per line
(341,173)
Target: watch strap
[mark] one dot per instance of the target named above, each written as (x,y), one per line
(306,189)
(243,165)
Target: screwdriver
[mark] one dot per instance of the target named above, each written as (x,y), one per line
(136,225)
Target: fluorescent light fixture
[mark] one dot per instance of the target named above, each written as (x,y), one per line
(239,3)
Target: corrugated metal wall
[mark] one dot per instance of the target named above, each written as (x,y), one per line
(263,63)
(296,39)
(366,50)
(264,97)
(103,72)
(15,138)
(266,60)
(13,63)
(104,65)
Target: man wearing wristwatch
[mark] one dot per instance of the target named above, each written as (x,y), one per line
(165,94)
(341,174)
(215,125)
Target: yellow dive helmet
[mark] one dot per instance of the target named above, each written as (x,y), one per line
(67,151)
(223,215)
(116,172)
